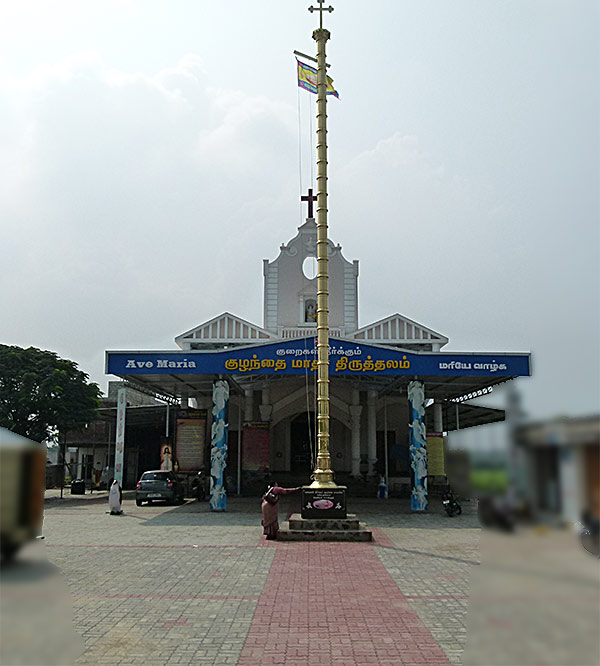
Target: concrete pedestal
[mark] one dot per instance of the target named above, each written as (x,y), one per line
(324,518)
(298,528)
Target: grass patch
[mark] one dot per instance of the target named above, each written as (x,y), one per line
(493,480)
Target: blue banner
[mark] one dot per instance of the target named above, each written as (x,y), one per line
(299,356)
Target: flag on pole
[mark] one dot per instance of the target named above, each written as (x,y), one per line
(307,79)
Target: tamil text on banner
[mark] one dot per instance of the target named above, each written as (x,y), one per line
(299,356)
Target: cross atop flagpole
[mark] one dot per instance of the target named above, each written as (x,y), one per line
(320,9)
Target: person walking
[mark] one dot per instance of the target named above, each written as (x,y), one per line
(270,509)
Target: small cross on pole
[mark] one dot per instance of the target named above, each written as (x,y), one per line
(320,9)
(311,199)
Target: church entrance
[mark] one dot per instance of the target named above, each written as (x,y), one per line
(303,431)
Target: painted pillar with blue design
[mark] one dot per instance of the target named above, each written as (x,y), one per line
(218,448)
(417,445)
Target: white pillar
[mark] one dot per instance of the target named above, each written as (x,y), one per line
(372,430)
(120,435)
(355,411)
(266,408)
(569,483)
(239,447)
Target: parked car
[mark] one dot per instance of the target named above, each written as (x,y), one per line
(159,485)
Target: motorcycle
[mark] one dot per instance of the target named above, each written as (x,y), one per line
(497,512)
(450,503)
(198,487)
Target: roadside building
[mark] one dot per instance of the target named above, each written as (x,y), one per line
(563,462)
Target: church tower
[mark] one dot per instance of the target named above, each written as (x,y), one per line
(290,287)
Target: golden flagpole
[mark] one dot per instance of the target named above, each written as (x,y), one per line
(322,474)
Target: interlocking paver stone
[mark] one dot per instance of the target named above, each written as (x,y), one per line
(182,585)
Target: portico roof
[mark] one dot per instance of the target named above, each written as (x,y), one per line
(458,416)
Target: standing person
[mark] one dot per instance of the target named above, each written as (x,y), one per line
(104,477)
(115,498)
(97,476)
(270,509)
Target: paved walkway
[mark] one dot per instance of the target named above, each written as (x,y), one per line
(335,604)
(182,585)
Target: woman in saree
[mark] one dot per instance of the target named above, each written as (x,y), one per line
(270,509)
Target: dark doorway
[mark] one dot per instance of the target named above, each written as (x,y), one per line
(147,440)
(302,433)
(87,466)
(398,455)
(231,472)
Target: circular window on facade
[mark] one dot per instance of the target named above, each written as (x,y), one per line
(309,268)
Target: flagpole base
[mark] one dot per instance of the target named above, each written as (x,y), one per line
(324,502)
(323,479)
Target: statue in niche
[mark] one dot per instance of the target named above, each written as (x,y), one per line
(310,311)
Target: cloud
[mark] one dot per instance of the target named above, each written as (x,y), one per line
(466,257)
(420,207)
(124,198)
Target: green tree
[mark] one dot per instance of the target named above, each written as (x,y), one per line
(41,393)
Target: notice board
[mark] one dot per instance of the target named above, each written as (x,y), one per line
(190,441)
(435,454)
(256,447)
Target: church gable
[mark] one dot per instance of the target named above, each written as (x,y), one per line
(290,287)
(399,330)
(225,328)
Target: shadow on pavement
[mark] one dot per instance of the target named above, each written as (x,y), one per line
(246,511)
(36,612)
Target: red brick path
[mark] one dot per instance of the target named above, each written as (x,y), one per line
(334,604)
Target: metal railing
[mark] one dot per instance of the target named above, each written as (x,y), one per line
(303,331)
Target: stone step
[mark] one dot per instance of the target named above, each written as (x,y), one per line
(363,533)
(296,522)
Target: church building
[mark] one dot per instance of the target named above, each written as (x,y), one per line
(393,392)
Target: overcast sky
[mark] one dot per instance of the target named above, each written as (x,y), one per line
(150,160)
